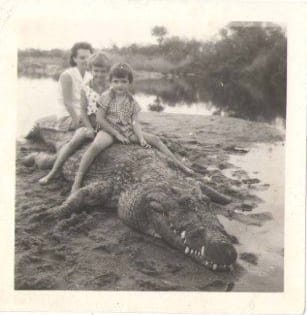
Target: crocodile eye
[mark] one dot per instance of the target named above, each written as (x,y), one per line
(156,206)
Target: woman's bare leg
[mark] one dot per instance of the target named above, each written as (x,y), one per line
(101,141)
(69,148)
(155,141)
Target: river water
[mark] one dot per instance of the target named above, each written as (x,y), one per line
(266,163)
(38,98)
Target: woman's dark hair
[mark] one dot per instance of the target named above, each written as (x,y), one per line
(75,48)
(121,70)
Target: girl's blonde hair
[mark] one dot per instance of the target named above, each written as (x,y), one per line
(99,59)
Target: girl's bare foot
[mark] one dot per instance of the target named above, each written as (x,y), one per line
(45,180)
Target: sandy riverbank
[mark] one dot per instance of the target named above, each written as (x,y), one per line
(96,251)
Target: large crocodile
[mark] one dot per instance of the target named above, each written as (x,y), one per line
(150,196)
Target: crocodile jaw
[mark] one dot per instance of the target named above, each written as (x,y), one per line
(182,218)
(216,256)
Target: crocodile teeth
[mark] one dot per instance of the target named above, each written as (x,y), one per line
(214,267)
(187,249)
(231,267)
(203,250)
(185,240)
(206,263)
(183,234)
(192,251)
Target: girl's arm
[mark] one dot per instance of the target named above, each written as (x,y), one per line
(106,126)
(84,116)
(66,84)
(138,130)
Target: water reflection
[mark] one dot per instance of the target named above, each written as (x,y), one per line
(234,100)
(156,106)
(154,103)
(171,92)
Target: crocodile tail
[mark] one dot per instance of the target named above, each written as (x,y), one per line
(34,133)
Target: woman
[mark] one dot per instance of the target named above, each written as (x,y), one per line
(70,83)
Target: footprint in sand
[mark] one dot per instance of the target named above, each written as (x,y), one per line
(174,268)
(146,268)
(54,255)
(103,248)
(105,279)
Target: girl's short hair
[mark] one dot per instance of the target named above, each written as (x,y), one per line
(121,70)
(74,51)
(99,59)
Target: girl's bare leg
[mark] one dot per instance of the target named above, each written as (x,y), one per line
(78,138)
(155,141)
(101,141)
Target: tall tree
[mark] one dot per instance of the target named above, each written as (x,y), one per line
(159,32)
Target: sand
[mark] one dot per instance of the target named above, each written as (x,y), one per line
(94,250)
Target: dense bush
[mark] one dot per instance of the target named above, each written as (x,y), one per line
(247,65)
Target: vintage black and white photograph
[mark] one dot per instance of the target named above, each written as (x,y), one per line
(150,149)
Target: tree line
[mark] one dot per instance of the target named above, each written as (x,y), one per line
(244,63)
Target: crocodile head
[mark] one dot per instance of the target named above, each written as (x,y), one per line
(181,216)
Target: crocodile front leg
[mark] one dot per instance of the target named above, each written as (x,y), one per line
(91,195)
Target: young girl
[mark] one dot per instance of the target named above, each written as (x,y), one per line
(117,117)
(90,93)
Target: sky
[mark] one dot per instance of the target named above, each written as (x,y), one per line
(47,24)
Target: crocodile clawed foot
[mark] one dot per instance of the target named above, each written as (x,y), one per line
(49,215)
(43,217)
(59,212)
